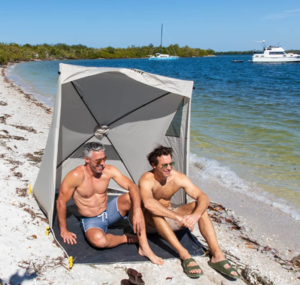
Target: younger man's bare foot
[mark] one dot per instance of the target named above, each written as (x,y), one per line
(147,252)
(132,238)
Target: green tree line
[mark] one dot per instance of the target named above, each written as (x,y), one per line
(13,52)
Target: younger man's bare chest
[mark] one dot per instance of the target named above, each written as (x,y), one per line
(164,192)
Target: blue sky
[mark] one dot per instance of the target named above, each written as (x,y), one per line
(221,25)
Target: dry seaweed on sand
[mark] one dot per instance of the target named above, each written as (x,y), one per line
(22,192)
(2,103)
(32,214)
(3,118)
(29,129)
(18,138)
(222,215)
(33,158)
(13,162)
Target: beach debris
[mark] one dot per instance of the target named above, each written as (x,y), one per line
(18,174)
(13,168)
(296,260)
(249,240)
(40,153)
(13,162)
(12,137)
(32,214)
(22,192)
(34,101)
(32,237)
(2,103)
(225,217)
(29,129)
(3,118)
(35,158)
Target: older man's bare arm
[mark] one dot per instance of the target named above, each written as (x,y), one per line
(138,222)
(72,180)
(151,204)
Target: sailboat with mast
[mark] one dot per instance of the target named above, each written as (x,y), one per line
(161,56)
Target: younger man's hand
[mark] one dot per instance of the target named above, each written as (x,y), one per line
(189,221)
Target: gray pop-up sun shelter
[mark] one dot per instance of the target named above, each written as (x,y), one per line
(140,110)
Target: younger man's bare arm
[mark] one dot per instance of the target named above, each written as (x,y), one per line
(197,194)
(66,191)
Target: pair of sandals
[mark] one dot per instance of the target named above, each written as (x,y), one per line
(135,278)
(219,266)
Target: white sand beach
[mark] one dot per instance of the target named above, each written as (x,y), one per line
(29,256)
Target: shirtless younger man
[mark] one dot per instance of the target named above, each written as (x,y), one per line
(157,188)
(87,184)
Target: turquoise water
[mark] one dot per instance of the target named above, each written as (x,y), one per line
(245,125)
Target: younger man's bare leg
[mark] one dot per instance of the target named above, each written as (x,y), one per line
(167,233)
(125,205)
(208,232)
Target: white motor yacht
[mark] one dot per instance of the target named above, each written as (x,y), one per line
(274,54)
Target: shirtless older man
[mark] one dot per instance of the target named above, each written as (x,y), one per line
(157,188)
(87,184)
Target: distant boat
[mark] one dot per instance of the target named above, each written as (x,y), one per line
(161,56)
(274,54)
(237,60)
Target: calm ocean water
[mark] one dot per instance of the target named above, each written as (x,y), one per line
(245,126)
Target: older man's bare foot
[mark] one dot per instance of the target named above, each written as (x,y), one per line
(147,252)
(132,238)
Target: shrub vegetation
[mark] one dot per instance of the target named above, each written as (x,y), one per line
(13,52)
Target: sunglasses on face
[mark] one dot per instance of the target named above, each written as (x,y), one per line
(165,165)
(99,161)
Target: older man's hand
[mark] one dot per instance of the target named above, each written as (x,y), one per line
(138,221)
(68,237)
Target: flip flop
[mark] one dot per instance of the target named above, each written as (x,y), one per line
(219,266)
(125,282)
(135,277)
(188,269)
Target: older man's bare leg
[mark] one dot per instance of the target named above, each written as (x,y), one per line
(125,205)
(98,238)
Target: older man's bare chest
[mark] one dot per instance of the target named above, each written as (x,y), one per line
(91,186)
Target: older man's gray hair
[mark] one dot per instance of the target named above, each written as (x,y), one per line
(92,146)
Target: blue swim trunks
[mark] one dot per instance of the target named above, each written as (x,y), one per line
(110,216)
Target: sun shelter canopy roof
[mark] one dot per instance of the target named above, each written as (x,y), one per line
(138,109)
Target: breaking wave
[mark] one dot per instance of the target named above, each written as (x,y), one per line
(209,169)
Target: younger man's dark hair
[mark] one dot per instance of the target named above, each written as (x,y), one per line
(159,151)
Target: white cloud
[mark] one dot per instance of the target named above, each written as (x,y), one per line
(284,14)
